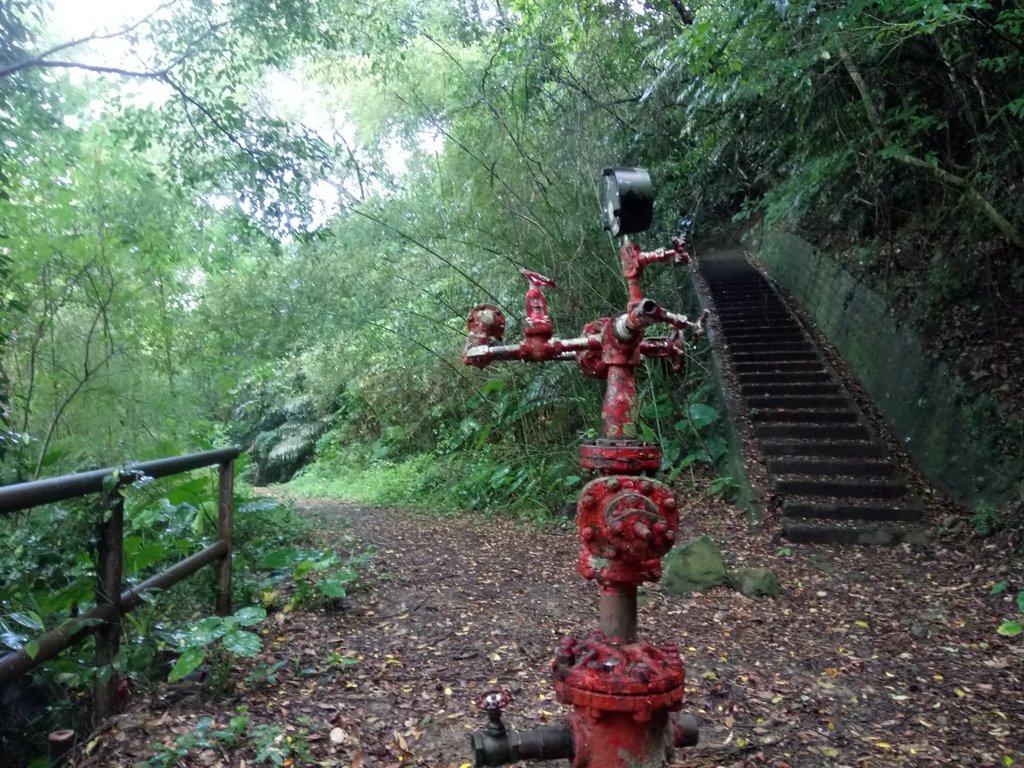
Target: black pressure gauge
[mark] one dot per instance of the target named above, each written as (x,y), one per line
(628,199)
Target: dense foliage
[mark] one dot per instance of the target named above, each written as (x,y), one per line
(222,259)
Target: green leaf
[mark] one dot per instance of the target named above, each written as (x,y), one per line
(281,558)
(193,491)
(242,643)
(1020,600)
(12,640)
(998,588)
(250,615)
(31,649)
(702,414)
(139,555)
(188,662)
(333,587)
(1010,628)
(27,619)
(205,632)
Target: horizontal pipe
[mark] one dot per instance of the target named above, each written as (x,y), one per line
(548,742)
(71,631)
(14,498)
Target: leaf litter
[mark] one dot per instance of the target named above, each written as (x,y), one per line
(869,657)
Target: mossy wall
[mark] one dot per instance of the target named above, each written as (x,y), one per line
(958,437)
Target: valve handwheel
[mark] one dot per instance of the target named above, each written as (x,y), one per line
(536,278)
(494,700)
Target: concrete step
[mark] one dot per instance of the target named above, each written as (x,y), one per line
(783,378)
(822,432)
(735,347)
(873,511)
(758,323)
(765,317)
(739,306)
(765,336)
(851,449)
(836,467)
(787,383)
(802,485)
(778,367)
(755,343)
(738,328)
(818,402)
(876,534)
(767,357)
(802,416)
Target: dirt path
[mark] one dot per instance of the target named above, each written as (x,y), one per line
(869,658)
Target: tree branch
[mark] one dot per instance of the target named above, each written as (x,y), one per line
(957,182)
(42,61)
(101,68)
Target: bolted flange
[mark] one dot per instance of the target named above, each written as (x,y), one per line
(639,678)
(626,524)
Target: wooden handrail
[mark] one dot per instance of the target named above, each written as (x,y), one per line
(111,602)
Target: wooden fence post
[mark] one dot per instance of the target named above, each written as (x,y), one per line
(108,592)
(225,515)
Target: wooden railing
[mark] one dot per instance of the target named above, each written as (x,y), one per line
(111,602)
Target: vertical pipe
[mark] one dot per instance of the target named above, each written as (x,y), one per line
(225,516)
(619,410)
(617,612)
(61,744)
(108,593)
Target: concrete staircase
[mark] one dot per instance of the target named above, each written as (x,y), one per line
(830,471)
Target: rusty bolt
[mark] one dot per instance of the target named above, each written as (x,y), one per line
(660,527)
(614,484)
(641,530)
(616,526)
(670,535)
(588,533)
(587,500)
(645,486)
(670,502)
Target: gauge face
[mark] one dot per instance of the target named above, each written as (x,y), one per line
(628,199)
(610,194)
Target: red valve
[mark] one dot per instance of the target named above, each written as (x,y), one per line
(538,327)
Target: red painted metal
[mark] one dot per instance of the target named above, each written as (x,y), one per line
(627,524)
(621,689)
(626,457)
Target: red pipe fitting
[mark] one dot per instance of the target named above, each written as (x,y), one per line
(626,521)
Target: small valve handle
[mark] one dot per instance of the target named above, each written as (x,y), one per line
(676,349)
(680,255)
(494,700)
(536,278)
